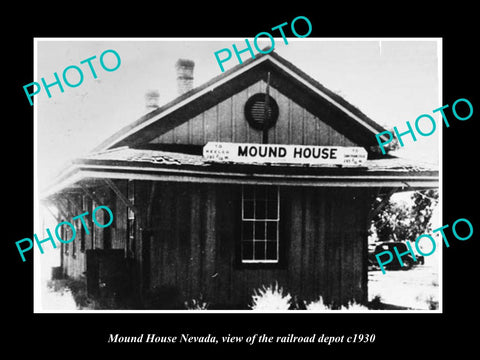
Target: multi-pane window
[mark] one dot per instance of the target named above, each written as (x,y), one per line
(260,224)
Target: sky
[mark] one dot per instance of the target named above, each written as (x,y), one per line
(391,80)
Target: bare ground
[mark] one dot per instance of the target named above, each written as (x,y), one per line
(417,288)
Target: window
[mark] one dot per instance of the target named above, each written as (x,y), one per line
(260,224)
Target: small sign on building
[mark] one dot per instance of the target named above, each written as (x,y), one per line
(245,153)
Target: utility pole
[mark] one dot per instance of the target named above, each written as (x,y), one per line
(266,120)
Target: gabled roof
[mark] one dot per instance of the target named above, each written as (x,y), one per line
(125,155)
(286,78)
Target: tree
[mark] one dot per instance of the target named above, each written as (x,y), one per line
(398,221)
(423,204)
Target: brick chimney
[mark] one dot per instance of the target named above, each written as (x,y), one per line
(184,69)
(152,100)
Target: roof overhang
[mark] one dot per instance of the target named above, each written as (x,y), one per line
(152,165)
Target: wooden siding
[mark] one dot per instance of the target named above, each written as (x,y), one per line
(187,238)
(74,257)
(194,237)
(74,253)
(119,229)
(226,122)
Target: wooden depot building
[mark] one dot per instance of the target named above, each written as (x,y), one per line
(203,207)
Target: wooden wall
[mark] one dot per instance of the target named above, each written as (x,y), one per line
(74,252)
(74,258)
(226,122)
(187,237)
(194,235)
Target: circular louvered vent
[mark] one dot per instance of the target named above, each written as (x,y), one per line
(255,111)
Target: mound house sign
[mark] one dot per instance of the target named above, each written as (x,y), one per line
(260,175)
(284,154)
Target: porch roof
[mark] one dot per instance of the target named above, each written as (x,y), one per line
(157,165)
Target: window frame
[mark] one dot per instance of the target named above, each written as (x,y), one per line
(243,219)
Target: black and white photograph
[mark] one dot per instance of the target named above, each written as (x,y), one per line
(262,187)
(198,180)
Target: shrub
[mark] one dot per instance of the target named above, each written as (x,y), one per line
(271,298)
(78,288)
(432,303)
(58,286)
(195,304)
(317,305)
(428,301)
(376,303)
(353,306)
